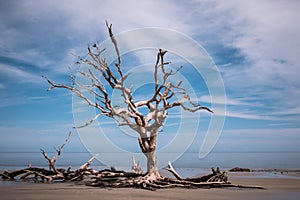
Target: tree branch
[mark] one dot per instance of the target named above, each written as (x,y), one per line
(88,163)
(172,170)
(145,122)
(52,161)
(114,41)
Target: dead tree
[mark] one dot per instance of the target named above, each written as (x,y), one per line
(147,126)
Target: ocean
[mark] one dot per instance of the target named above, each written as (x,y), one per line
(226,161)
(188,165)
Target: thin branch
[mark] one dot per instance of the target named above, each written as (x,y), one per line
(89,122)
(114,41)
(52,161)
(196,108)
(172,170)
(66,140)
(88,163)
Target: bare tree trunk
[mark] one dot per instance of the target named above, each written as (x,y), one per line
(152,166)
(152,163)
(148,147)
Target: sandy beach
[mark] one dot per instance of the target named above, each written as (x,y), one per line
(283,187)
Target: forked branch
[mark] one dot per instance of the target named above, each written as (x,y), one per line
(52,161)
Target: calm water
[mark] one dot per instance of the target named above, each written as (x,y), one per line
(16,160)
(188,165)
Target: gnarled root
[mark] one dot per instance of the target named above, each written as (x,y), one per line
(117,179)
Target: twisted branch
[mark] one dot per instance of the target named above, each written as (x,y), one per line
(147,123)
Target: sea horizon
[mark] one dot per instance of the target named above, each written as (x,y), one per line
(224,160)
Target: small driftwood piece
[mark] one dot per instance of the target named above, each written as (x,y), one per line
(215,176)
(136,167)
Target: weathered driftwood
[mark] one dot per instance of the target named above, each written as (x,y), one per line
(136,167)
(52,173)
(112,178)
(147,181)
(215,176)
(118,178)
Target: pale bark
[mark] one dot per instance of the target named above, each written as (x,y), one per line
(172,170)
(136,167)
(53,173)
(165,97)
(52,161)
(152,163)
(116,178)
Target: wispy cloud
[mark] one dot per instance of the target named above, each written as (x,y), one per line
(228,100)
(19,75)
(286,111)
(242,114)
(255,44)
(37,98)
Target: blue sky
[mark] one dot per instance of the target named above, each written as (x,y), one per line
(255,45)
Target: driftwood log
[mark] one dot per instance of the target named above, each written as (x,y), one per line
(53,173)
(112,178)
(116,179)
(119,179)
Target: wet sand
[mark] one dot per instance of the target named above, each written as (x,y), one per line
(285,187)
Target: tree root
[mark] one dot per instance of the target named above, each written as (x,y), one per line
(123,179)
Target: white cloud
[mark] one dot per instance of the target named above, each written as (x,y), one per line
(229,101)
(37,98)
(246,115)
(20,75)
(45,33)
(264,33)
(84,16)
(287,111)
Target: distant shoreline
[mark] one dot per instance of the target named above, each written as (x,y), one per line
(226,161)
(281,170)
